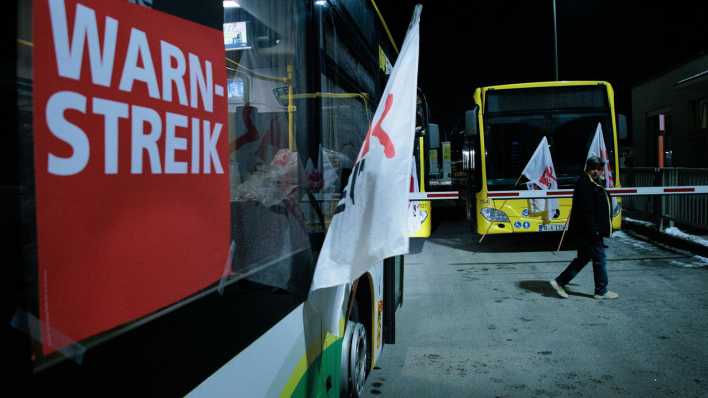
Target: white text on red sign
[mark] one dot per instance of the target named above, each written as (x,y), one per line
(177,134)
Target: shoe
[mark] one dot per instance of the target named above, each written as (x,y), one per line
(558,288)
(608,296)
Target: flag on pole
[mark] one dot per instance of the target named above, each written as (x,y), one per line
(541,175)
(371,221)
(598,148)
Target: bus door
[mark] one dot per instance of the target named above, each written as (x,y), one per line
(419,212)
(393,296)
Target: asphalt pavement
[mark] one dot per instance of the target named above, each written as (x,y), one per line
(480,320)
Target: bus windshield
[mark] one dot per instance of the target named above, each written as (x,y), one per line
(517,120)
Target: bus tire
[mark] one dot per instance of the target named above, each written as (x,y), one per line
(471,212)
(355,356)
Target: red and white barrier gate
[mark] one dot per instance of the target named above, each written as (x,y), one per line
(416,196)
(568,193)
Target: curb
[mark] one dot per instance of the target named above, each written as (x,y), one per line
(653,233)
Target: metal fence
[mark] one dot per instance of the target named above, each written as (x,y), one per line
(691,210)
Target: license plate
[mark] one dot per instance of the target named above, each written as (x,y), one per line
(551,227)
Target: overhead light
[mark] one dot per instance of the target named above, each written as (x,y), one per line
(231,4)
(321,3)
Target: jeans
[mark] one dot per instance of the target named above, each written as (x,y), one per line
(587,251)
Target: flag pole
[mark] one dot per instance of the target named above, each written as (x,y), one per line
(565,228)
(485,233)
(490,224)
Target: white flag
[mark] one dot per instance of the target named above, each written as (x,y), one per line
(541,175)
(371,221)
(598,148)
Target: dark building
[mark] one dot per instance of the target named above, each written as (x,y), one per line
(681,95)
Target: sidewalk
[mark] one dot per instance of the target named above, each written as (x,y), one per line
(481,320)
(672,236)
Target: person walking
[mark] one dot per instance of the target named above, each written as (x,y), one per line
(590,222)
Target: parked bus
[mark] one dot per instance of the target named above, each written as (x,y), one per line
(420,212)
(504,129)
(302,79)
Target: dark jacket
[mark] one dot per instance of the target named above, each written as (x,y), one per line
(590,217)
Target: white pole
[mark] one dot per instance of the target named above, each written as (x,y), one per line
(555,41)
(565,228)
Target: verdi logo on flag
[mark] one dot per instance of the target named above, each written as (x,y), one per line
(371,220)
(598,148)
(542,175)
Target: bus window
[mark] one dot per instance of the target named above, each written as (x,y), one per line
(299,93)
(264,66)
(516,120)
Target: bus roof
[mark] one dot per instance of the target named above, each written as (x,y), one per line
(546,84)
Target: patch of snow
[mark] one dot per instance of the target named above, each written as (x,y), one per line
(692,262)
(675,232)
(695,261)
(621,235)
(628,240)
(639,222)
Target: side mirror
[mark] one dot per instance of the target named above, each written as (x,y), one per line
(471,122)
(622,127)
(433,136)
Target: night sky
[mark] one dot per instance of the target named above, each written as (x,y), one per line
(467,44)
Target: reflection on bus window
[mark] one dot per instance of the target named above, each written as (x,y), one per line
(294,135)
(272,245)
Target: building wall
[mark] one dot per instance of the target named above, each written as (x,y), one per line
(686,107)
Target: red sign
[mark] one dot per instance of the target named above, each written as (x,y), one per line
(131,163)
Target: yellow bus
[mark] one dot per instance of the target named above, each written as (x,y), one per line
(420,212)
(211,296)
(502,132)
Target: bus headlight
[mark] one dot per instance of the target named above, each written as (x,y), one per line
(493,214)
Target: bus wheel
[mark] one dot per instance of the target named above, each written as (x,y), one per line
(471,213)
(355,355)
(470,203)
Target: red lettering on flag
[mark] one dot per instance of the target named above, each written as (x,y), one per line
(378,132)
(547,177)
